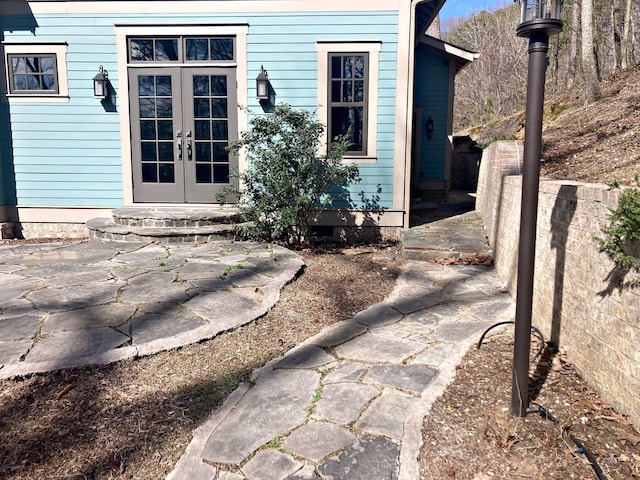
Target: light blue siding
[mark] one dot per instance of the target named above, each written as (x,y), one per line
(432,94)
(69,154)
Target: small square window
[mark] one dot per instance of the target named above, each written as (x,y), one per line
(33,74)
(36,71)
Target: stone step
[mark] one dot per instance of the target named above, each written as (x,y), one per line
(455,239)
(168,225)
(172,217)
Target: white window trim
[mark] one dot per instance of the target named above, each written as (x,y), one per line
(59,49)
(324,47)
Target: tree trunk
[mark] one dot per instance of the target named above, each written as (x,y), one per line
(616,37)
(573,44)
(589,66)
(626,51)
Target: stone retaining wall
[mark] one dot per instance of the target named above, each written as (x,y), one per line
(577,301)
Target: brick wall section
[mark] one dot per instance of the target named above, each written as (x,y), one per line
(574,303)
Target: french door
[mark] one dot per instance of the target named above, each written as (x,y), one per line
(182,120)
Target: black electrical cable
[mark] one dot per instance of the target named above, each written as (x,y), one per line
(590,457)
(535,331)
(543,412)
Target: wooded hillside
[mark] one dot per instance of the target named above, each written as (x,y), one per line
(600,38)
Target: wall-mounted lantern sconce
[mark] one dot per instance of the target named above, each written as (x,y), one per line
(262,85)
(429,127)
(101,84)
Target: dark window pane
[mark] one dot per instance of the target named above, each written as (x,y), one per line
(203,130)
(347,71)
(163,86)
(166,173)
(221,49)
(219,129)
(19,82)
(347,91)
(218,108)
(359,91)
(196,49)
(220,153)
(33,64)
(147,108)
(48,82)
(147,129)
(145,86)
(343,118)
(203,173)
(165,151)
(219,85)
(356,119)
(46,64)
(149,152)
(335,67)
(358,67)
(165,129)
(335,90)
(165,108)
(149,173)
(141,50)
(221,174)
(18,65)
(201,85)
(203,152)
(166,50)
(201,108)
(33,82)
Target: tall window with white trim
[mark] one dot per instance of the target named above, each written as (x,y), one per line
(348,81)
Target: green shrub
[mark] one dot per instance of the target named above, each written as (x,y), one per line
(287,180)
(621,240)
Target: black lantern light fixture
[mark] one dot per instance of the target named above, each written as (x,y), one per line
(429,127)
(539,20)
(539,16)
(101,84)
(262,85)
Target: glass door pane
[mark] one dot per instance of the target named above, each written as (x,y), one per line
(156,124)
(213,115)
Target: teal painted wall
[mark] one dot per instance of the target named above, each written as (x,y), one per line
(7,177)
(432,94)
(68,154)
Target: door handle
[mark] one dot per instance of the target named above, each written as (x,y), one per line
(179,144)
(189,152)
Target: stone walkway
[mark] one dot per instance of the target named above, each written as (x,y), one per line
(349,403)
(70,304)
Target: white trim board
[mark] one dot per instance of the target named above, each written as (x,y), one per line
(98,7)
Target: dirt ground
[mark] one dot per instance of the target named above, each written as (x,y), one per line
(470,432)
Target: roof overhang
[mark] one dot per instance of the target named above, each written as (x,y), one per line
(426,13)
(460,56)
